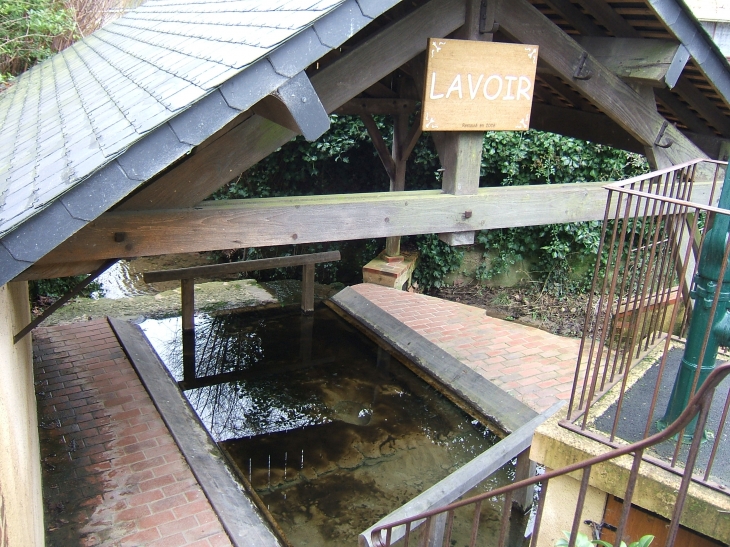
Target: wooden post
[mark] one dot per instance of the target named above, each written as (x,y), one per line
(187,294)
(524,470)
(461,152)
(308,288)
(438,528)
(398,180)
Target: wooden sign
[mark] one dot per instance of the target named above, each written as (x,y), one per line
(478,86)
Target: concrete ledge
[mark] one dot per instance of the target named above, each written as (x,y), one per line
(436,366)
(237,513)
(705,511)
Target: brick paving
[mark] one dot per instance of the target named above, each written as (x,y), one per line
(532,365)
(112,473)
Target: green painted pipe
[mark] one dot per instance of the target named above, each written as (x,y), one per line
(706,279)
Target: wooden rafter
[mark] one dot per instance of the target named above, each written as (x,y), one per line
(604,89)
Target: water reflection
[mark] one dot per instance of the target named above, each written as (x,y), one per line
(331,432)
(229,405)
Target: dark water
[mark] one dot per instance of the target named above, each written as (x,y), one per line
(332,433)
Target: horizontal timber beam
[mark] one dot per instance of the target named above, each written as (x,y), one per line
(214,270)
(217,225)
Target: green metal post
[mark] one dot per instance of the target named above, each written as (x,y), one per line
(706,279)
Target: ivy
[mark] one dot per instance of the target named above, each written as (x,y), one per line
(436,260)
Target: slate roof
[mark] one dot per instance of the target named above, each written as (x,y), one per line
(82,108)
(85,128)
(93,122)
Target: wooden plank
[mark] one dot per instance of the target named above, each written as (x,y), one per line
(609,18)
(215,270)
(478,86)
(205,171)
(704,106)
(576,17)
(466,477)
(238,514)
(524,23)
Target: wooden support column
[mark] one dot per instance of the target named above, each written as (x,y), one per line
(308,288)
(187,294)
(461,151)
(398,179)
(525,469)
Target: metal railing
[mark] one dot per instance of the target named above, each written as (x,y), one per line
(640,305)
(417,529)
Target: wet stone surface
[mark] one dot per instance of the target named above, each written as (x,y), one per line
(331,432)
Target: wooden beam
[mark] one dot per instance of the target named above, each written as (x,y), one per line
(380,147)
(308,219)
(461,151)
(296,106)
(609,18)
(308,288)
(715,147)
(704,106)
(684,113)
(362,67)
(589,126)
(398,181)
(524,23)
(639,60)
(215,270)
(374,107)
(575,17)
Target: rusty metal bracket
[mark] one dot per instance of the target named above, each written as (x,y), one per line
(659,136)
(580,73)
(487,11)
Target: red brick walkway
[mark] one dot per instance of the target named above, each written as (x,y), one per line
(532,365)
(112,473)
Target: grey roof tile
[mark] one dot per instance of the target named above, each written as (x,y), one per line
(302,50)
(373,8)
(340,25)
(191,126)
(246,88)
(110,96)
